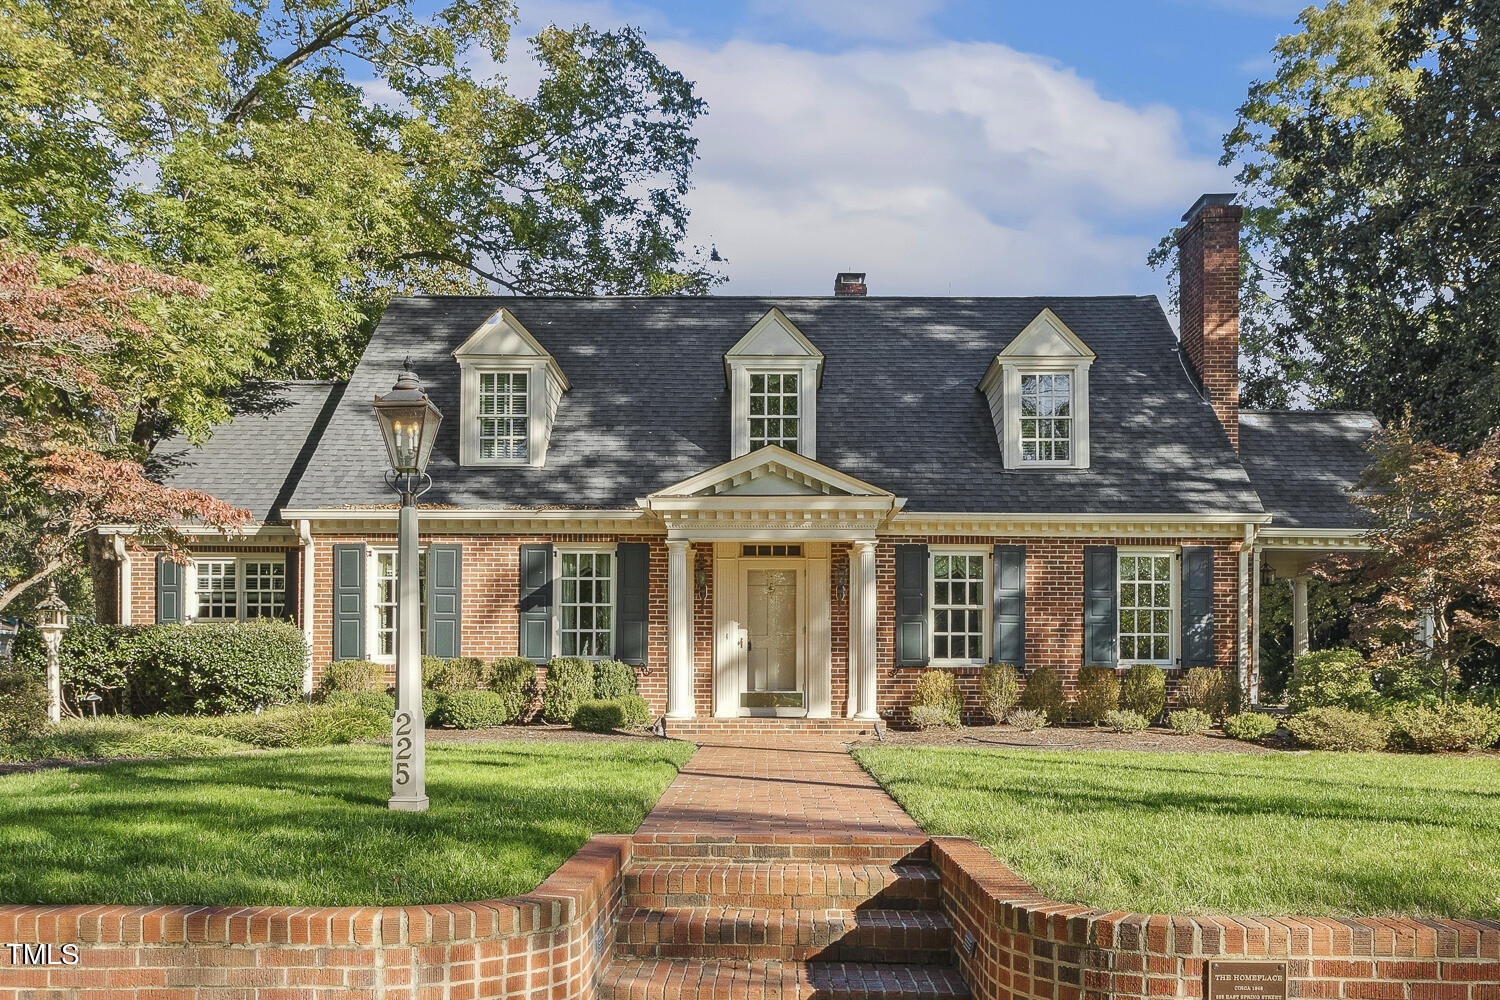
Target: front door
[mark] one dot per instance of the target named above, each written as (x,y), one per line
(773,641)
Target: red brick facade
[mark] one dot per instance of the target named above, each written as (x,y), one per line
(491,596)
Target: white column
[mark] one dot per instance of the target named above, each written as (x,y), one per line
(1252,690)
(1299,615)
(126,570)
(409,727)
(867,621)
(307,591)
(680,633)
(851,646)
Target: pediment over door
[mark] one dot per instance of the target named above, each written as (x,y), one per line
(772,492)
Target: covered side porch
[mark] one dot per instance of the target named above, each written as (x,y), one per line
(779,552)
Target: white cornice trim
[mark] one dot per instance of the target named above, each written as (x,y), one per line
(248,532)
(1312,538)
(955,523)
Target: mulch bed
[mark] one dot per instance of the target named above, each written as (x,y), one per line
(1156,740)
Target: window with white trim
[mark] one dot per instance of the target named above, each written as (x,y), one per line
(1046,417)
(384,599)
(959,609)
(775,416)
(503,415)
(1148,606)
(585,602)
(230,588)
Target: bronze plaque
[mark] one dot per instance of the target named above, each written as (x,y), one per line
(1244,981)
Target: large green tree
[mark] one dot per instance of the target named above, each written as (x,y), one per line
(302,160)
(1367,164)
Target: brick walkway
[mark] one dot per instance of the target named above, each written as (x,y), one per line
(801,790)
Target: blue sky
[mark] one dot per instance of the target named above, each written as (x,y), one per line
(953,147)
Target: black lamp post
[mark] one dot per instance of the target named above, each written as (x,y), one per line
(409,423)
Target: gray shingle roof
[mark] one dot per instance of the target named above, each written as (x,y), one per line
(255,459)
(898,407)
(1302,462)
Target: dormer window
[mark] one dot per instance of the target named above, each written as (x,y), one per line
(511,389)
(775,413)
(1038,391)
(1046,417)
(503,408)
(773,374)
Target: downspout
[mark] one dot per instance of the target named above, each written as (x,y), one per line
(304,538)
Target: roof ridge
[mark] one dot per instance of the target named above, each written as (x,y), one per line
(800,298)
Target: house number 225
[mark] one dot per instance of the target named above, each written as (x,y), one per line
(401,740)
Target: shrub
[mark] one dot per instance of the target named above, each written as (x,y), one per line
(470,710)
(461,673)
(95,659)
(115,738)
(430,701)
(1329,727)
(1027,719)
(1407,680)
(999,689)
(1212,691)
(1125,720)
(599,715)
(1044,693)
(1330,677)
(1250,726)
(1098,694)
(936,692)
(1454,728)
(1144,690)
(171,743)
(1189,721)
(613,679)
(930,717)
(354,675)
(509,677)
(380,701)
(23,703)
(637,711)
(570,682)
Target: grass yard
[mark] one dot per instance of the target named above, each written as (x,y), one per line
(1315,834)
(310,827)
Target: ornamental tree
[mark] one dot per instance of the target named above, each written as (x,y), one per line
(64,324)
(1435,551)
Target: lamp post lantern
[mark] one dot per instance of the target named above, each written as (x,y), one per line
(52,621)
(408,423)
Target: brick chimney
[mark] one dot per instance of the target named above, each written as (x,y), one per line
(847,284)
(1209,266)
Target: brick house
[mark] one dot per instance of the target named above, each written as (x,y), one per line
(785,506)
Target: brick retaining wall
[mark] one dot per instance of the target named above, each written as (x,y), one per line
(1028,946)
(548,943)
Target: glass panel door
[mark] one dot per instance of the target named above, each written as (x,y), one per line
(771,640)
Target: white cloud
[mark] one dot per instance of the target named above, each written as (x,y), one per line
(964,168)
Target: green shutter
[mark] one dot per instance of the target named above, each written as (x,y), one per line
(632,599)
(1198,606)
(536,602)
(1101,605)
(445,600)
(1009,626)
(349,601)
(291,611)
(168,590)
(911,606)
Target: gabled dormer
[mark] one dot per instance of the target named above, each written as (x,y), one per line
(773,373)
(511,387)
(1038,390)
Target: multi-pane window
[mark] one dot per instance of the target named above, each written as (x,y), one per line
(585,603)
(1047,417)
(502,415)
(218,590)
(265,588)
(959,606)
(386,596)
(1146,607)
(774,413)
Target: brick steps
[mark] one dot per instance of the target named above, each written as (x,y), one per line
(651,979)
(687,729)
(784,885)
(916,937)
(869,849)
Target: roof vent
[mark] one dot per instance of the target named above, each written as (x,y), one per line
(847,284)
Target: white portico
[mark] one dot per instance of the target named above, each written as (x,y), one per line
(773,519)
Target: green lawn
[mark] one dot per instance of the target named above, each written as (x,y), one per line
(310,827)
(1320,833)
